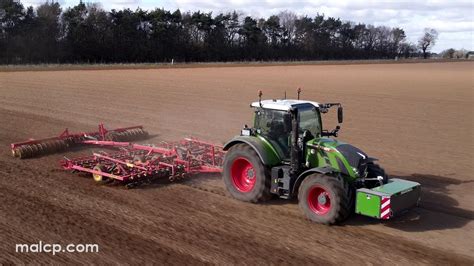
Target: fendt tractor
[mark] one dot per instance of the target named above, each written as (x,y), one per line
(287,153)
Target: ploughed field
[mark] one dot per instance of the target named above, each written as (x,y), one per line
(416,118)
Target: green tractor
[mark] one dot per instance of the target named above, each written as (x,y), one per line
(288,154)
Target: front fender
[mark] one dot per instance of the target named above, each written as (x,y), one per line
(267,154)
(320,170)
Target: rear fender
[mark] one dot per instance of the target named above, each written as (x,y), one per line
(267,154)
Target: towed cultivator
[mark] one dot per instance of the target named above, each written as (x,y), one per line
(128,163)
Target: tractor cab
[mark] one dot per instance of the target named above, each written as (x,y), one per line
(273,121)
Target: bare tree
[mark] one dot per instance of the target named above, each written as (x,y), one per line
(407,49)
(288,23)
(458,54)
(427,41)
(448,53)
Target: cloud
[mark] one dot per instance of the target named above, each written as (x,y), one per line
(453,19)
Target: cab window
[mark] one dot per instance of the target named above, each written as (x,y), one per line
(309,120)
(275,126)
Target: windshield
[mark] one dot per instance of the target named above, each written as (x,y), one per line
(272,121)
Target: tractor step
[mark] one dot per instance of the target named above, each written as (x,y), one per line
(389,200)
(281,181)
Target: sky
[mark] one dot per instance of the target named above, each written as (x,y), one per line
(454,20)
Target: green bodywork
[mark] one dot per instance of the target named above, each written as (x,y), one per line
(403,194)
(328,156)
(368,204)
(396,187)
(267,153)
(274,158)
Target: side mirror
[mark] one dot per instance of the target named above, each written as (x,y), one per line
(340,116)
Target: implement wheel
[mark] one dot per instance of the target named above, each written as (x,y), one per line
(325,199)
(98,177)
(244,175)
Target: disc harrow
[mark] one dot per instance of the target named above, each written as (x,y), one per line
(34,148)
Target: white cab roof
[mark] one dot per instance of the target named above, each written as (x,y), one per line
(283,105)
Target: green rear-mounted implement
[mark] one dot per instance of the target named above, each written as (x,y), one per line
(287,153)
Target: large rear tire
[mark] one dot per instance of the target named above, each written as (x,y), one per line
(325,199)
(245,176)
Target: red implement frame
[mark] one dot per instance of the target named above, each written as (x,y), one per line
(136,163)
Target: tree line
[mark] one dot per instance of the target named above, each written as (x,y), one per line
(455,54)
(86,33)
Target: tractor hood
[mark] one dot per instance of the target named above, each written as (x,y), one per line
(347,158)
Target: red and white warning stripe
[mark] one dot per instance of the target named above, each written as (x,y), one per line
(385,208)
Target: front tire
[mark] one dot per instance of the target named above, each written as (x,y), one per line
(245,176)
(325,199)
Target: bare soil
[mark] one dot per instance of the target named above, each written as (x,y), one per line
(416,118)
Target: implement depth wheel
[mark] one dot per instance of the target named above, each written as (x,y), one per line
(98,177)
(245,177)
(325,199)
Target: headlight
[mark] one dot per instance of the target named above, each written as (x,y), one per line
(356,171)
(245,132)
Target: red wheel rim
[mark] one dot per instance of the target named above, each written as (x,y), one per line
(319,200)
(243,175)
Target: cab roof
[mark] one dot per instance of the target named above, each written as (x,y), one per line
(283,105)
